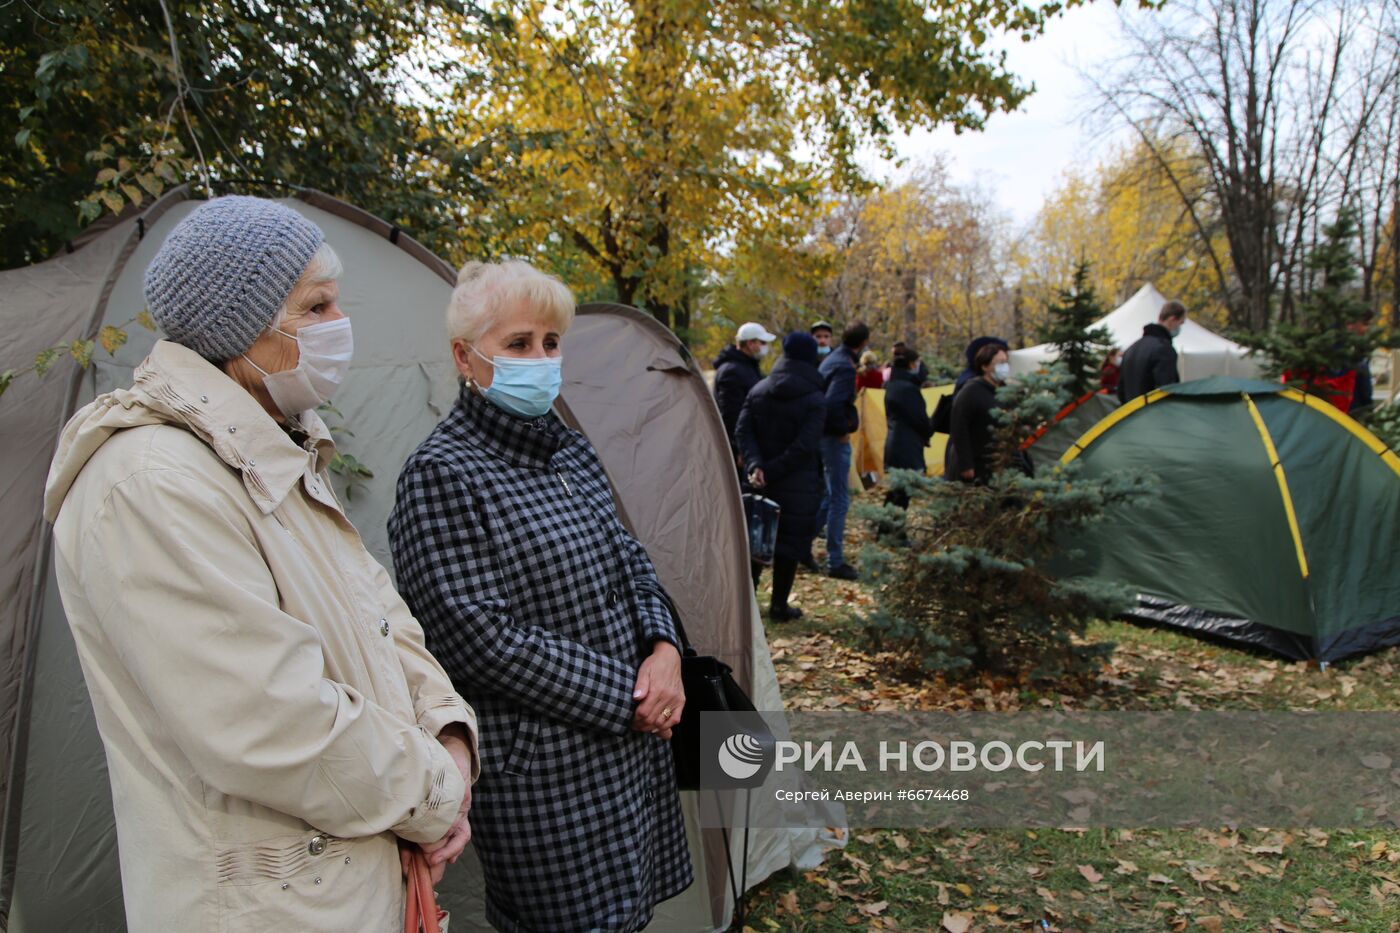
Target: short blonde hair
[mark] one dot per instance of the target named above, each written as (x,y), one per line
(325,266)
(485,289)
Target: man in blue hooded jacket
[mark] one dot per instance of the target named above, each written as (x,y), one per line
(838,372)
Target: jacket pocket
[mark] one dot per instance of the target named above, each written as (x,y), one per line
(309,881)
(523,745)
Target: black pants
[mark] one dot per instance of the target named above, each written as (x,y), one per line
(784,572)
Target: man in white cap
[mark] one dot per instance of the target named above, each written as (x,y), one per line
(736,372)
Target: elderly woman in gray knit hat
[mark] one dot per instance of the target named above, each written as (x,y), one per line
(275,729)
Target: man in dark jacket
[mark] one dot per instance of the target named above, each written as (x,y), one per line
(1151,362)
(780,433)
(839,376)
(736,372)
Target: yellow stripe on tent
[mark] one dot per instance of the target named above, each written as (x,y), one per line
(1351,424)
(1117,415)
(1282,482)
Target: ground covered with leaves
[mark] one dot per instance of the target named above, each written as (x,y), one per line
(960,881)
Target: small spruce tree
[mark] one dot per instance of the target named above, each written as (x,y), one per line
(1071,331)
(965,577)
(1334,332)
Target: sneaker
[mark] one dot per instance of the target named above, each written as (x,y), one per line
(784,613)
(843,572)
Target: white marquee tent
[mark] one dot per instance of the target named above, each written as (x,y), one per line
(1200,351)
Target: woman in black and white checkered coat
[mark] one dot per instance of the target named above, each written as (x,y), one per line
(544,611)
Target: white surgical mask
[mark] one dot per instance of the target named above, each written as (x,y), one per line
(762,350)
(1002,372)
(323,358)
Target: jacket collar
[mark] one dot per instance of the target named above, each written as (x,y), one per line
(191,391)
(789,368)
(906,375)
(530,442)
(1156,330)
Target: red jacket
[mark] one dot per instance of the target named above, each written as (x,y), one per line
(1338,389)
(869,379)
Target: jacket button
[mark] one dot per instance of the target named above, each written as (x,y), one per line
(613,598)
(384,627)
(317,846)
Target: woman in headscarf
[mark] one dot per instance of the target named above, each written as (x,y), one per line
(549,617)
(275,728)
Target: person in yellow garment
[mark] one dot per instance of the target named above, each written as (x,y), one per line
(275,728)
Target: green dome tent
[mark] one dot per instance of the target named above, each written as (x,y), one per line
(1276,524)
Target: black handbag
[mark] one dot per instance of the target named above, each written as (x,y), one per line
(942,419)
(710,687)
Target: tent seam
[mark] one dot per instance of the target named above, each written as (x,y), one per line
(1276,465)
(1109,421)
(1356,428)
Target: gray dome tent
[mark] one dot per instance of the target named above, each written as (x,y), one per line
(629,385)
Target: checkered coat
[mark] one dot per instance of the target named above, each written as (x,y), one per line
(536,600)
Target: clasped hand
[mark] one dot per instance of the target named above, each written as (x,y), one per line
(659,694)
(445,851)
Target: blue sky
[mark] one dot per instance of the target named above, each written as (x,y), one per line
(1021,156)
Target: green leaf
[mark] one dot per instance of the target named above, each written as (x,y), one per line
(45,360)
(81,350)
(7,377)
(151,183)
(114,201)
(22,138)
(89,210)
(132,193)
(107,176)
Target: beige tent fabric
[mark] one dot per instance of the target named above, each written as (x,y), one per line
(636,393)
(868,444)
(41,306)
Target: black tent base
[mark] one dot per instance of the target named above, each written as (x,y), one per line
(1234,630)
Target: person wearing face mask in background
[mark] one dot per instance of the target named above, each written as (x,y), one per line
(736,372)
(1150,363)
(550,619)
(276,731)
(824,335)
(972,436)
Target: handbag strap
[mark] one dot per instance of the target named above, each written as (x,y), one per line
(420,907)
(645,586)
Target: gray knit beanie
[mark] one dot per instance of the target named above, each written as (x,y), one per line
(224,271)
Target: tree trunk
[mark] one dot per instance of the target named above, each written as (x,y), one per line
(910,279)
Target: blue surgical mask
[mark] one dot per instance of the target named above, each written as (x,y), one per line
(823,351)
(525,388)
